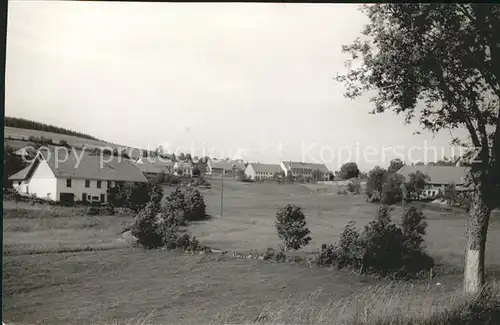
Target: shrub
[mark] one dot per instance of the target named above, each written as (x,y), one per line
(172,179)
(174,207)
(354,186)
(269,254)
(280,257)
(195,205)
(132,196)
(92,211)
(151,228)
(391,189)
(383,247)
(291,227)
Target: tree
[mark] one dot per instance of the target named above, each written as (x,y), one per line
(291,227)
(12,163)
(349,170)
(395,165)
(416,183)
(182,156)
(448,58)
(375,181)
(196,171)
(317,175)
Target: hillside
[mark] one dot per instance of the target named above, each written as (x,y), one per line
(19,133)
(22,123)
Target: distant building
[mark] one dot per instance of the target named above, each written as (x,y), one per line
(151,167)
(228,167)
(70,180)
(439,177)
(262,171)
(183,168)
(303,169)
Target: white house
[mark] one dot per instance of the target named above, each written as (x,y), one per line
(304,169)
(439,177)
(262,171)
(183,168)
(78,176)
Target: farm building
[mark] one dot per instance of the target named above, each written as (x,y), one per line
(262,171)
(228,167)
(151,167)
(439,177)
(67,178)
(304,169)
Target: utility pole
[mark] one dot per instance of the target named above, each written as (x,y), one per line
(222,191)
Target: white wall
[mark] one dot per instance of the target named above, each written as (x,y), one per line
(284,168)
(42,183)
(78,188)
(250,172)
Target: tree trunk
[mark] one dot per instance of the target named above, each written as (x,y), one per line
(479,216)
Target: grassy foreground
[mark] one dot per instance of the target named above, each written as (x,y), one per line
(62,267)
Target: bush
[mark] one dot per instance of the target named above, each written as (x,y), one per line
(151,228)
(172,179)
(382,248)
(92,211)
(354,186)
(291,227)
(195,206)
(174,207)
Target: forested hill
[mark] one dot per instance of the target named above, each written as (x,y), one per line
(21,123)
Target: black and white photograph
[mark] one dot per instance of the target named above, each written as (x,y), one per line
(251,163)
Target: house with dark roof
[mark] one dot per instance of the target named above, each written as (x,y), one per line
(262,171)
(70,176)
(305,170)
(439,177)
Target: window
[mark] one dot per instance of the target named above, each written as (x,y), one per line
(95,198)
(89,197)
(87,183)
(109,184)
(19,183)
(98,184)
(68,183)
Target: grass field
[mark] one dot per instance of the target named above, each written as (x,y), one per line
(48,281)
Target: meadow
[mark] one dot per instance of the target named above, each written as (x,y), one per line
(62,267)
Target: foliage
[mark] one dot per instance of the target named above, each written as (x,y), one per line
(375,181)
(12,164)
(134,196)
(172,179)
(150,226)
(457,198)
(291,227)
(395,165)
(32,125)
(349,170)
(195,205)
(354,186)
(391,189)
(160,178)
(383,247)
(196,171)
(416,183)
(317,175)
(174,207)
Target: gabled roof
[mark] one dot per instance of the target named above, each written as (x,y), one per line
(153,165)
(89,167)
(20,175)
(441,175)
(296,165)
(227,164)
(266,168)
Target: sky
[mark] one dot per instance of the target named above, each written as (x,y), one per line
(239,80)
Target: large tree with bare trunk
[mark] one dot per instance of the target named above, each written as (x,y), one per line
(439,64)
